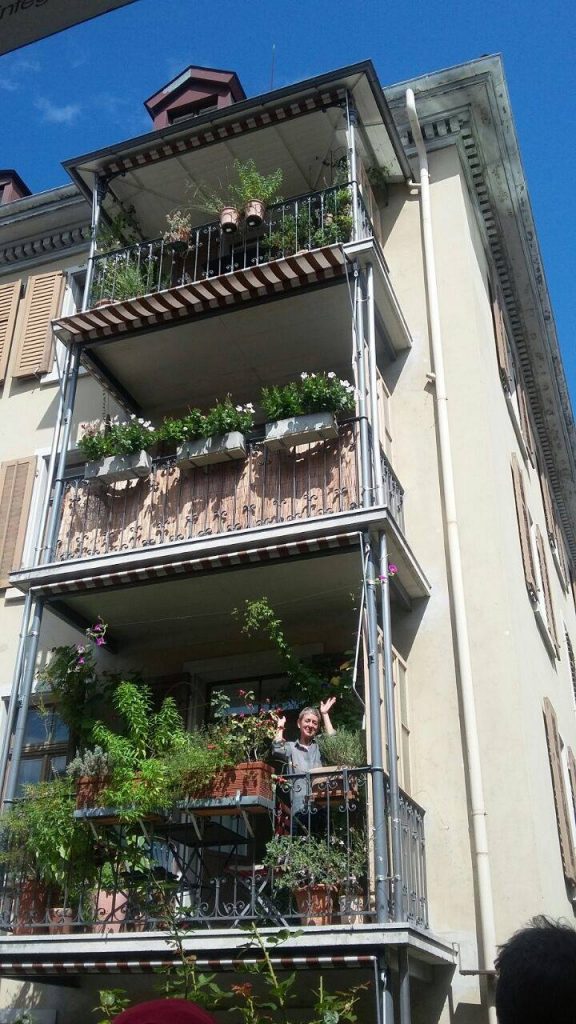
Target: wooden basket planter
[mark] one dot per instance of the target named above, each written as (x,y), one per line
(117,468)
(206,450)
(327,784)
(249,778)
(317,426)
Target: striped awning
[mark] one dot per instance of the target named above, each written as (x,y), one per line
(184,301)
(190,566)
(22,967)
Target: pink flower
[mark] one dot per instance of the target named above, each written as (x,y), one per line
(100,641)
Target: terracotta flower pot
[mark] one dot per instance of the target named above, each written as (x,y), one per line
(250,778)
(89,789)
(229,219)
(31,911)
(254,212)
(314,903)
(110,911)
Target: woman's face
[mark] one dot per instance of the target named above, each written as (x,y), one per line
(308,725)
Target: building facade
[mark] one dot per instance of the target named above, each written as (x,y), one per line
(427,539)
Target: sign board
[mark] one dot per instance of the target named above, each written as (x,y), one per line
(26,21)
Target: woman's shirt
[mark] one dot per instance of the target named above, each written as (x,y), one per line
(299,757)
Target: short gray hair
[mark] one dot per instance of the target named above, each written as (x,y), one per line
(314,711)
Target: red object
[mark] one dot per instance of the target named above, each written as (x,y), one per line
(165,1011)
(249,778)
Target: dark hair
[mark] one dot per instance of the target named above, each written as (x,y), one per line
(537,975)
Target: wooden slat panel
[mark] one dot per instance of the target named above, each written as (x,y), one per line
(41,304)
(500,333)
(525,423)
(547,503)
(560,797)
(9,299)
(524,529)
(16,482)
(547,592)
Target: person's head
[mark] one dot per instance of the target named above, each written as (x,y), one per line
(308,723)
(537,975)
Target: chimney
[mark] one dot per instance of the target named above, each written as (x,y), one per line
(12,187)
(195,91)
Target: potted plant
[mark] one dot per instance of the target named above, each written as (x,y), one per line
(215,436)
(305,410)
(246,737)
(310,867)
(117,451)
(49,851)
(92,772)
(120,276)
(220,202)
(255,191)
(340,750)
(70,678)
(179,227)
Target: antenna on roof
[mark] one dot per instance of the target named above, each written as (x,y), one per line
(272,69)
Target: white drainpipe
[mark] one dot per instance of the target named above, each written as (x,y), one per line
(470,725)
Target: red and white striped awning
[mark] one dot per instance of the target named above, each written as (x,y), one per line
(191,565)
(22,967)
(184,301)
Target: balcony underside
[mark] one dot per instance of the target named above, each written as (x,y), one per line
(134,346)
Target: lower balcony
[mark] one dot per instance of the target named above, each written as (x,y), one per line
(226,862)
(171,505)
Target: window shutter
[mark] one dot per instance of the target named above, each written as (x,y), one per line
(500,334)
(547,592)
(525,424)
(572,774)
(41,305)
(9,299)
(560,801)
(547,502)
(16,482)
(524,528)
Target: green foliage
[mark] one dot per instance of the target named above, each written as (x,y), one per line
(312,860)
(179,226)
(122,276)
(45,837)
(71,678)
(319,222)
(112,1002)
(314,392)
(252,184)
(306,686)
(247,735)
(95,763)
(344,747)
(225,416)
(127,438)
(196,762)
(188,428)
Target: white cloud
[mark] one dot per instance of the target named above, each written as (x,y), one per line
(65,114)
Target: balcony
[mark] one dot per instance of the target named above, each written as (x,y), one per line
(172,505)
(202,866)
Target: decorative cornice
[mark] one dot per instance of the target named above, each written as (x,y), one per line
(45,246)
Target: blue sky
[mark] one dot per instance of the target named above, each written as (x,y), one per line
(84,88)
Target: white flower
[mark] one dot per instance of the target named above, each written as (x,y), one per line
(239,408)
(249,407)
(331,375)
(141,422)
(133,416)
(304,376)
(312,375)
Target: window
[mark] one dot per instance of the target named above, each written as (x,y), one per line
(16,484)
(563,800)
(534,563)
(402,725)
(45,748)
(42,302)
(71,302)
(553,530)
(510,374)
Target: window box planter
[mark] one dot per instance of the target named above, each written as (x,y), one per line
(89,789)
(249,778)
(221,448)
(115,468)
(316,426)
(327,784)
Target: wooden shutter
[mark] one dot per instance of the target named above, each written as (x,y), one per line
(572,774)
(547,503)
(524,529)
(41,304)
(500,333)
(547,592)
(560,796)
(16,482)
(525,424)
(9,299)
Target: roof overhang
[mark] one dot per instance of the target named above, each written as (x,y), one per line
(469,105)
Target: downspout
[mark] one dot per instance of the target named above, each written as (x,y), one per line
(469,720)
(351,122)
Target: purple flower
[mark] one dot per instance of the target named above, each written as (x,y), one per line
(100,641)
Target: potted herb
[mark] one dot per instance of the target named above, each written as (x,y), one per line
(305,410)
(309,866)
(117,451)
(179,227)
(247,737)
(220,202)
(91,772)
(215,436)
(120,276)
(340,751)
(255,191)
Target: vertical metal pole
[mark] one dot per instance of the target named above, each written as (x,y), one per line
(98,194)
(351,122)
(58,489)
(404,973)
(358,331)
(385,1000)
(389,702)
(373,386)
(23,699)
(13,703)
(377,766)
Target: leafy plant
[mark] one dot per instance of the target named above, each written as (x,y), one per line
(324,219)
(95,763)
(44,838)
(225,416)
(112,1002)
(187,428)
(252,184)
(179,226)
(316,860)
(314,392)
(249,733)
(127,438)
(306,685)
(121,276)
(71,678)
(344,747)
(196,762)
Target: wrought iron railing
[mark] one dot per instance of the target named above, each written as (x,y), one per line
(189,869)
(303,223)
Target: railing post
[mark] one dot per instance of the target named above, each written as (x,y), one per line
(351,122)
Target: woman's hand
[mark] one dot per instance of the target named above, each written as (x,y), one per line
(280,722)
(326,705)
